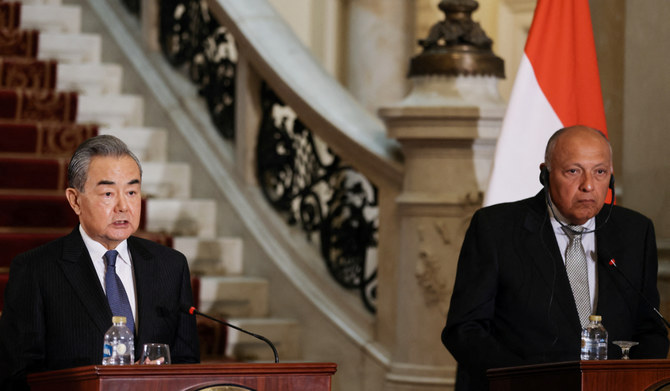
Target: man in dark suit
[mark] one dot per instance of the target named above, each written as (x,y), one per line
(513,301)
(56,306)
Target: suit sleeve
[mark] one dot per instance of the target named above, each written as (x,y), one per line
(650,331)
(186,347)
(22,331)
(469,334)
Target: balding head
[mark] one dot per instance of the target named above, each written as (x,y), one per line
(551,144)
(579,162)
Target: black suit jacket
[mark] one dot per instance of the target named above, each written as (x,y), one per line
(56,312)
(512,303)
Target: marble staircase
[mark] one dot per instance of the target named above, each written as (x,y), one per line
(225,290)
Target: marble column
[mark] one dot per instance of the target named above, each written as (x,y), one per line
(378,47)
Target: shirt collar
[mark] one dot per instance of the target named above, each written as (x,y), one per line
(557,220)
(97,250)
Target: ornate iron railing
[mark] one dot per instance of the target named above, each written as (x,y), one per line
(303,179)
(191,37)
(133,6)
(298,174)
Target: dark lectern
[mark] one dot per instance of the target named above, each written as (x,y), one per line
(610,375)
(182,377)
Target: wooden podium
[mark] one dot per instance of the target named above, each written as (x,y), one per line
(610,375)
(188,377)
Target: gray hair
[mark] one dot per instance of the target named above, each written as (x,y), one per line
(553,140)
(102,145)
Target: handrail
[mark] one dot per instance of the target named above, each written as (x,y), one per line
(320,102)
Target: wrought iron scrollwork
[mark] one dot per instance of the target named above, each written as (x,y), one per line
(190,36)
(298,174)
(307,182)
(133,6)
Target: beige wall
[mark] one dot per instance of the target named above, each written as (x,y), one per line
(609,18)
(646,96)
(633,70)
(320,26)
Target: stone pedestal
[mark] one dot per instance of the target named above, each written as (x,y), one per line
(448,148)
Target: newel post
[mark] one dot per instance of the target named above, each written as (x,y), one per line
(448,126)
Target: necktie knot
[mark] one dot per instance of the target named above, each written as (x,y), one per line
(574,232)
(110,257)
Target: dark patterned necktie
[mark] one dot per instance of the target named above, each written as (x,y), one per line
(116,295)
(575,265)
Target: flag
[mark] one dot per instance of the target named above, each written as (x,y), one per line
(557,85)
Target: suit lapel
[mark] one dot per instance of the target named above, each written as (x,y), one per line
(540,242)
(142,261)
(78,269)
(609,242)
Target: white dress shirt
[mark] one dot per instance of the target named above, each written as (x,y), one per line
(124,267)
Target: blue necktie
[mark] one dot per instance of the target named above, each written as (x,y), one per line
(116,295)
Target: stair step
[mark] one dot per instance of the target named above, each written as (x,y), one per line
(284,334)
(10,15)
(43,138)
(166,180)
(37,105)
(15,243)
(51,18)
(234,296)
(219,256)
(70,48)
(111,110)
(90,79)
(4,279)
(33,173)
(22,72)
(41,2)
(195,217)
(148,144)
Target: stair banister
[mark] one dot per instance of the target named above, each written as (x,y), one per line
(322,104)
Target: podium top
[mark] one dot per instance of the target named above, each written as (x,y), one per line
(290,376)
(590,365)
(611,375)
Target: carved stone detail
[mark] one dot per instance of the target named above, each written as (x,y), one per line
(457,45)
(430,267)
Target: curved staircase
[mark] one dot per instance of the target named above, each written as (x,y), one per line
(33,159)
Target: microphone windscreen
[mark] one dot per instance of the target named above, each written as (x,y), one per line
(187,309)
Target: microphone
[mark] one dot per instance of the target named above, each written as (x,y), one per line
(194,311)
(612,263)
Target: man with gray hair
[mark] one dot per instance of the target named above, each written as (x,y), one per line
(61,297)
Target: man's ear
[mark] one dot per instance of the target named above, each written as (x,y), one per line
(72,196)
(544,175)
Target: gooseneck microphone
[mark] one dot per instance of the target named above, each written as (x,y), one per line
(614,266)
(194,311)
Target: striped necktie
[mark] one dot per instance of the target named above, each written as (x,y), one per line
(575,266)
(116,295)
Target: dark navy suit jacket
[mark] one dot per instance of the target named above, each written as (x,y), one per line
(512,303)
(56,313)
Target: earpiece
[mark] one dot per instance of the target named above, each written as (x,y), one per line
(544,176)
